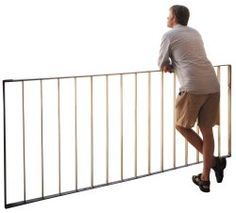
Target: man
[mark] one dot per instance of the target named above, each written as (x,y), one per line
(182,51)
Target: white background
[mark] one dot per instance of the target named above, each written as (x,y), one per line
(64,37)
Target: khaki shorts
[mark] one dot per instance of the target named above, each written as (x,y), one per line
(191,107)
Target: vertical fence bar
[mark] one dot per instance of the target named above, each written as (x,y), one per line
(42,148)
(162,122)
(91,123)
(197,152)
(59,134)
(107,130)
(23,131)
(174,118)
(121,123)
(76,138)
(229,110)
(4,141)
(219,127)
(149,123)
(135,126)
(186,152)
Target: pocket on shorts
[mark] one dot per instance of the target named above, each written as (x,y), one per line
(181,93)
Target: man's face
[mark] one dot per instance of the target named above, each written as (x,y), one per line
(171,21)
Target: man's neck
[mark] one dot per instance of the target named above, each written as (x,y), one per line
(177,25)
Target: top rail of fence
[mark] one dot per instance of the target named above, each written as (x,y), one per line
(96,75)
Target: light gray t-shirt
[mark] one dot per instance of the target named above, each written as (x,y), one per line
(183,47)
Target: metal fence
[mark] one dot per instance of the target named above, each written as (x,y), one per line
(69,134)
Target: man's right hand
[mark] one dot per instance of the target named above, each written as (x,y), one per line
(167,68)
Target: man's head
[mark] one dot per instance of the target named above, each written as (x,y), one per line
(178,14)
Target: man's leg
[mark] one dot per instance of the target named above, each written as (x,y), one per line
(208,152)
(205,146)
(191,137)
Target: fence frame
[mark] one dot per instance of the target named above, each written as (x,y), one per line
(43,197)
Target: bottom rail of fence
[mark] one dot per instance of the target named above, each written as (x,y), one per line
(98,186)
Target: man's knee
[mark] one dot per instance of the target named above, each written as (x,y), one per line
(181,128)
(178,127)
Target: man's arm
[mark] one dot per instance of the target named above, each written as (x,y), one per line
(164,55)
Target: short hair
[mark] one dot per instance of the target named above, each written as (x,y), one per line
(181,13)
